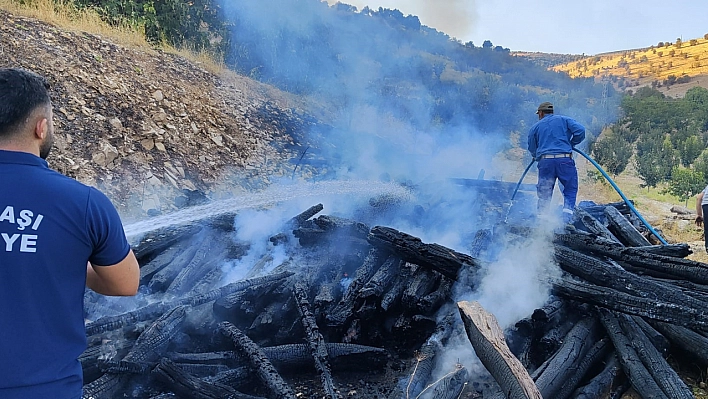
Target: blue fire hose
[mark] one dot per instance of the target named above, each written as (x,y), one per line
(612,183)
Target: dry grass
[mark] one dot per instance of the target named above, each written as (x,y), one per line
(64,15)
(642,65)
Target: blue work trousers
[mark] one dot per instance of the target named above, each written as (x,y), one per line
(562,169)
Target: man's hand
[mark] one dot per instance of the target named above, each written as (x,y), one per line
(699,221)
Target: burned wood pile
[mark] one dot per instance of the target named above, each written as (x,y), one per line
(338,309)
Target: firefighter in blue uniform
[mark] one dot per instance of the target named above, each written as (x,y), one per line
(551,141)
(57,236)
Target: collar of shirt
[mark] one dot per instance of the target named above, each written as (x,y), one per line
(22,158)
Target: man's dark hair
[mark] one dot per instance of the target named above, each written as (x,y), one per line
(21,92)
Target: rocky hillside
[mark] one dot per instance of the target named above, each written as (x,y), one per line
(148,127)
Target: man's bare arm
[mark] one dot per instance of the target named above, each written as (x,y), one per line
(121,279)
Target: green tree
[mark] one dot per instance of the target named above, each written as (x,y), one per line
(656,158)
(685,183)
(613,152)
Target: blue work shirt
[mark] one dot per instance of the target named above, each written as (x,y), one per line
(50,226)
(554,134)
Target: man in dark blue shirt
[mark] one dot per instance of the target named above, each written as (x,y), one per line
(57,236)
(551,141)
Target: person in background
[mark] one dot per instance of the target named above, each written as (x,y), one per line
(701,209)
(57,236)
(551,141)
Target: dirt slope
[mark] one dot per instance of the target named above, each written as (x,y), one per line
(144,125)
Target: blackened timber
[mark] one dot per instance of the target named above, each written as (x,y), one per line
(380,281)
(594,226)
(162,279)
(147,270)
(565,362)
(593,357)
(234,287)
(630,304)
(680,250)
(340,225)
(689,342)
(425,359)
(157,241)
(431,302)
(344,309)
(152,311)
(678,268)
(186,385)
(315,341)
(634,368)
(601,385)
(444,260)
(105,387)
(550,312)
(607,275)
(667,379)
(393,295)
(340,355)
(264,369)
(623,229)
(655,337)
(487,339)
(422,283)
(480,242)
(197,268)
(150,344)
(300,219)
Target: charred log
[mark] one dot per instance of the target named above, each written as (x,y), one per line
(607,275)
(164,258)
(152,311)
(630,304)
(155,242)
(344,310)
(197,268)
(299,220)
(657,340)
(689,342)
(186,385)
(162,279)
(259,362)
(601,385)
(381,280)
(594,226)
(315,341)
(641,379)
(663,374)
(425,359)
(673,250)
(564,366)
(650,263)
(623,229)
(488,342)
(437,257)
(593,357)
(342,226)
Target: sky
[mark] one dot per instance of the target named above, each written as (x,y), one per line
(558,26)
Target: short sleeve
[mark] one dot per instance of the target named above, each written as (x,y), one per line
(110,246)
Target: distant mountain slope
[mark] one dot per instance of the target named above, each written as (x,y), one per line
(666,66)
